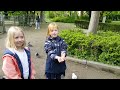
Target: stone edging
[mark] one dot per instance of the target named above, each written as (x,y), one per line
(108,68)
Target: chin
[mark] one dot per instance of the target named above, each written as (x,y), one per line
(54,36)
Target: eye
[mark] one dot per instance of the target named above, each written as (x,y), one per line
(21,37)
(16,37)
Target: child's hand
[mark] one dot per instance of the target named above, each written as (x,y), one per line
(63,58)
(60,59)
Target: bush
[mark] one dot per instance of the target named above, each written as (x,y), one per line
(101,26)
(103,47)
(51,15)
(64,19)
(85,17)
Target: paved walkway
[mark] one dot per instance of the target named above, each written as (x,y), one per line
(37,38)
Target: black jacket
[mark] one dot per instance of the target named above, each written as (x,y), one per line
(53,47)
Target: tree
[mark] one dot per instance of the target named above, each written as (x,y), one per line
(3,22)
(42,16)
(89,13)
(75,14)
(94,20)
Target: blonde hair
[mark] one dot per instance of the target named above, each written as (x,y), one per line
(10,37)
(51,27)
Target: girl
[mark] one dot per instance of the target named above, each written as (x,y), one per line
(17,62)
(56,50)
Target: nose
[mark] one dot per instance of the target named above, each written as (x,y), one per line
(19,39)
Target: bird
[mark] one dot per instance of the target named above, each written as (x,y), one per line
(37,55)
(74,76)
(84,62)
(30,45)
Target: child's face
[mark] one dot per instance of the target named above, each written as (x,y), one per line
(54,33)
(19,39)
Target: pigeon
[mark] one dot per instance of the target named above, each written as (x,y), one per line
(4,77)
(74,76)
(84,62)
(37,55)
(30,45)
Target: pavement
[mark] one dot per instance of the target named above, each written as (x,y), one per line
(97,65)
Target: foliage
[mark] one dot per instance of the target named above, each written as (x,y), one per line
(103,47)
(85,17)
(112,15)
(64,19)
(101,26)
(16,13)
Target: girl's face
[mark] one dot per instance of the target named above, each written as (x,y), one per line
(54,33)
(19,39)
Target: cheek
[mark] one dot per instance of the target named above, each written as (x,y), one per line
(51,33)
(15,40)
(56,32)
(23,39)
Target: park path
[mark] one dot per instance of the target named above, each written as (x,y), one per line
(37,38)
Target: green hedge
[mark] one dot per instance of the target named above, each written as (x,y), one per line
(101,26)
(64,19)
(103,47)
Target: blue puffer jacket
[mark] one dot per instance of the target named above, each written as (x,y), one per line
(53,47)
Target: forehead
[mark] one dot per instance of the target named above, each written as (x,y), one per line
(18,33)
(52,26)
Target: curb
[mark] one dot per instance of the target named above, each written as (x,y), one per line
(97,65)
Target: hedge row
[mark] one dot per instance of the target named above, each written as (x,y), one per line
(103,47)
(101,26)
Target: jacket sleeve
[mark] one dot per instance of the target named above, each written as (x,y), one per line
(48,49)
(9,68)
(33,72)
(64,47)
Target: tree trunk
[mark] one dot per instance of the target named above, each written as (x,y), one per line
(89,13)
(4,30)
(3,23)
(76,15)
(94,20)
(104,19)
(14,19)
(42,17)
(82,13)
(70,13)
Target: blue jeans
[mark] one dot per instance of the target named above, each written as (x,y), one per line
(37,25)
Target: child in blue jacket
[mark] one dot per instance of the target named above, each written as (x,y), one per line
(56,50)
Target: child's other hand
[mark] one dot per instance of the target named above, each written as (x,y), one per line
(63,58)
(59,59)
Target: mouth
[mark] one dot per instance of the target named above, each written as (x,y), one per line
(20,43)
(54,34)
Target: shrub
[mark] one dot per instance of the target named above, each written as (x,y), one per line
(103,47)
(101,26)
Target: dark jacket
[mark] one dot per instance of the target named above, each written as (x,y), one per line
(53,47)
(37,18)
